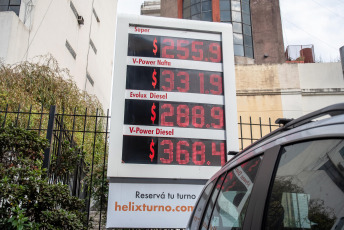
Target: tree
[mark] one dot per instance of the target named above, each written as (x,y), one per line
(42,82)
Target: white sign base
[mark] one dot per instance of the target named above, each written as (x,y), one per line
(151,205)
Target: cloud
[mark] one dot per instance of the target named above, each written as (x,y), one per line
(314,22)
(129,6)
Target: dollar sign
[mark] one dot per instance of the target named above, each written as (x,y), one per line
(153,113)
(154,79)
(155,49)
(151,155)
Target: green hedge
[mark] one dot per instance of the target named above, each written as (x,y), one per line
(28,200)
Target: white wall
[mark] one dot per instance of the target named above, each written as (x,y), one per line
(321,75)
(6,26)
(291,97)
(322,84)
(48,24)
(13,37)
(309,87)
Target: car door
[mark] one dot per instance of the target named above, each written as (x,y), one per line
(306,190)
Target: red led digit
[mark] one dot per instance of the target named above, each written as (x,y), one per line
(182,152)
(183,112)
(220,153)
(217,113)
(198,149)
(168,150)
(167,47)
(215,48)
(197,50)
(170,80)
(198,115)
(165,114)
(201,82)
(216,80)
(185,81)
(180,47)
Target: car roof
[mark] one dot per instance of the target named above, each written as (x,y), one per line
(326,122)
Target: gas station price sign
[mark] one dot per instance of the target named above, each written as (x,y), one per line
(173,100)
(174,80)
(174,48)
(173,117)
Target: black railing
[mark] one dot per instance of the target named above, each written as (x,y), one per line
(250,131)
(87,135)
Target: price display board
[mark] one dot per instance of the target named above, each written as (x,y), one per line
(173,118)
(173,106)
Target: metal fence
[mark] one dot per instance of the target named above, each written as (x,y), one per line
(83,132)
(251,131)
(86,133)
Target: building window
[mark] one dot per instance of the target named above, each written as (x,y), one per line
(89,78)
(237,28)
(75,12)
(225,16)
(237,12)
(198,10)
(93,46)
(10,5)
(95,15)
(238,50)
(70,49)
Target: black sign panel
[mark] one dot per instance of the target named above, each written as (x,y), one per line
(173,151)
(174,80)
(174,48)
(165,99)
(174,114)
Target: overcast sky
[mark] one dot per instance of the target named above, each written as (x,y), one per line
(304,22)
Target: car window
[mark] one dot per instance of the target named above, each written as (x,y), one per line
(211,202)
(230,208)
(197,216)
(308,189)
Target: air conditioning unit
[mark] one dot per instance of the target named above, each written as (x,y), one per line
(80,20)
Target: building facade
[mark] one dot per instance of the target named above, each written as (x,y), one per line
(257,27)
(79,34)
(150,8)
(285,91)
